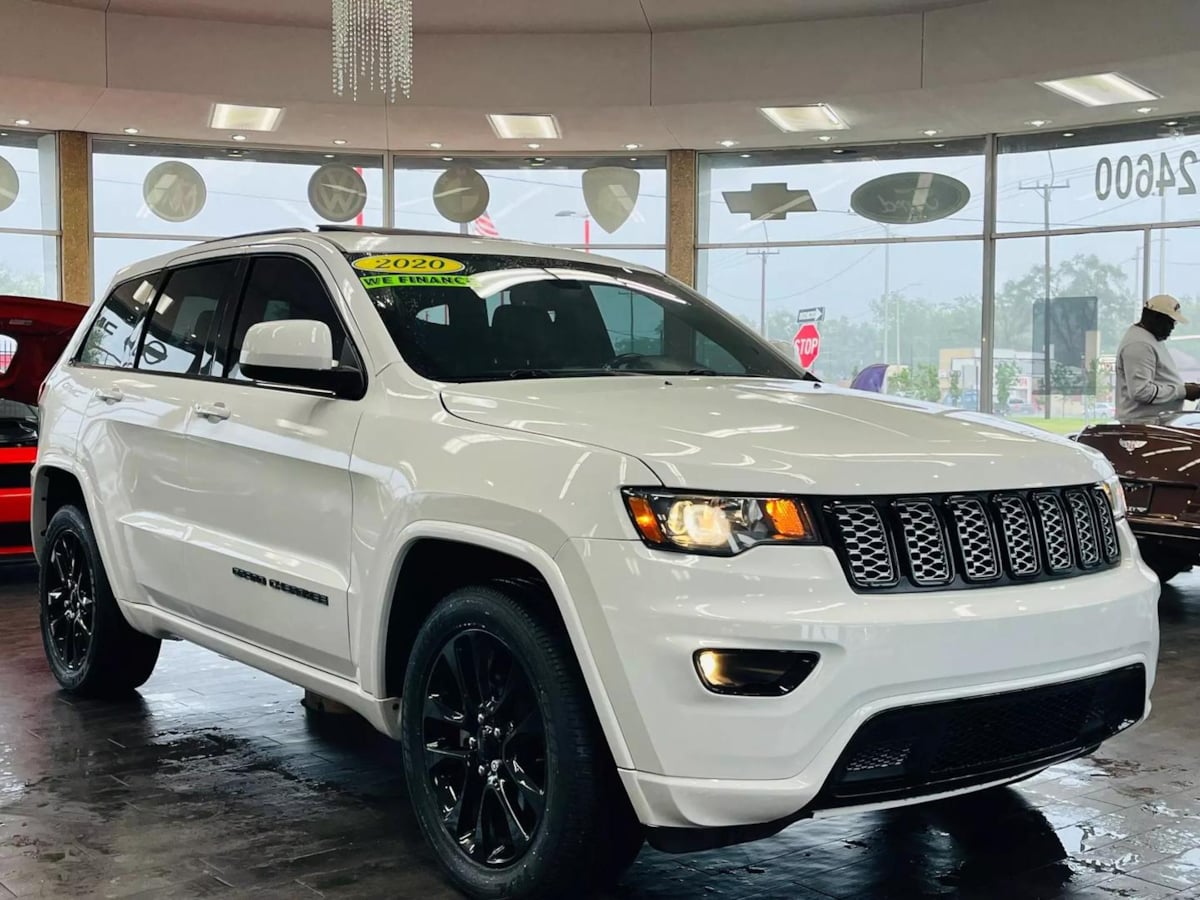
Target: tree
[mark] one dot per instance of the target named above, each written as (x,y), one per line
(20,284)
(1006,377)
(955,390)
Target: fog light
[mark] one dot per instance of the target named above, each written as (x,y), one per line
(754,673)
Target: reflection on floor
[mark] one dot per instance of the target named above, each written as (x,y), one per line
(214,784)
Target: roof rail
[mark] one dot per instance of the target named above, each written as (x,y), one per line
(266,233)
(418,232)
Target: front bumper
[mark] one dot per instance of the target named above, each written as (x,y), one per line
(702,760)
(1170,537)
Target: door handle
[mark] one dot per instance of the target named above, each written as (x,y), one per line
(110,395)
(214,412)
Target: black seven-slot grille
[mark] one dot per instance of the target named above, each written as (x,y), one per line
(938,747)
(972,540)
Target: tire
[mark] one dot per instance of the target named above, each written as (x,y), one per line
(92,650)
(529,727)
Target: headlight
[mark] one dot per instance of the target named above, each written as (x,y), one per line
(1116,496)
(717,525)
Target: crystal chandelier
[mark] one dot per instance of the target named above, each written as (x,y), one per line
(372,41)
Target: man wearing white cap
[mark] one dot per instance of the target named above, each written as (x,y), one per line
(1148,384)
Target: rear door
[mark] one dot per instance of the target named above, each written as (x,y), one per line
(269,483)
(144,374)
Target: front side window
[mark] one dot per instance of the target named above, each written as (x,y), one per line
(113,336)
(178,336)
(284,287)
(503,317)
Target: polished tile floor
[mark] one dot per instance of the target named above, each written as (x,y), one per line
(215,784)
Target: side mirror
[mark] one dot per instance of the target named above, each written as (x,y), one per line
(297,352)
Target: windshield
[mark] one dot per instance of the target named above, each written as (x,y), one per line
(477,317)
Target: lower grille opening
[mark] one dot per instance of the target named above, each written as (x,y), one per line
(938,747)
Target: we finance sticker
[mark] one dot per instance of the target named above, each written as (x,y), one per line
(408,263)
(384,281)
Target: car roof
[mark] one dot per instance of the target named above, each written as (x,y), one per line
(353,239)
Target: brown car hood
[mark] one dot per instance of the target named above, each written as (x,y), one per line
(1151,452)
(42,329)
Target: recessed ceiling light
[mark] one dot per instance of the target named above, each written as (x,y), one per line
(1038,123)
(331,156)
(1104,89)
(534,146)
(341,142)
(131,131)
(1172,123)
(3,134)
(745,155)
(939,145)
(1068,134)
(1146,110)
(238,137)
(133,145)
(524,126)
(232,117)
(839,150)
(21,122)
(824,138)
(447,159)
(539,159)
(633,146)
(930,132)
(633,159)
(728,143)
(436,145)
(813,117)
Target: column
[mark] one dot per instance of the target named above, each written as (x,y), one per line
(75,211)
(681,215)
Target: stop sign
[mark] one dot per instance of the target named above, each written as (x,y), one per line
(808,344)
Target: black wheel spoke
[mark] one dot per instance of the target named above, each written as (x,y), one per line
(457,655)
(70,607)
(517,835)
(529,727)
(465,808)
(437,709)
(530,793)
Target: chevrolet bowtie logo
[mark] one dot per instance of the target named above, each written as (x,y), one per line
(769,201)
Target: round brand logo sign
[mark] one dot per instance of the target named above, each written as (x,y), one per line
(910,198)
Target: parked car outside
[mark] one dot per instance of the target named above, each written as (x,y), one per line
(606,564)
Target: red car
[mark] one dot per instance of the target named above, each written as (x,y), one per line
(33,334)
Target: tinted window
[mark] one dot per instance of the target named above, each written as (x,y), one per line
(184,318)
(521,317)
(113,338)
(283,287)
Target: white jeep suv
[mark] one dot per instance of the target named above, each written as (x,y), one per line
(608,565)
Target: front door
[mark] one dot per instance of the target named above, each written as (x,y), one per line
(269,475)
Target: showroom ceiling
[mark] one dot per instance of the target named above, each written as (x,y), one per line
(656,73)
(531,16)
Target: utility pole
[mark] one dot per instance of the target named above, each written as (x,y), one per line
(1045,189)
(762,253)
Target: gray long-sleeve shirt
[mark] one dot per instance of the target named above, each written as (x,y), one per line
(1148,384)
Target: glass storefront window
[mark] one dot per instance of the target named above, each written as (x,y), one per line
(819,192)
(1143,173)
(200,192)
(914,306)
(28,214)
(616,205)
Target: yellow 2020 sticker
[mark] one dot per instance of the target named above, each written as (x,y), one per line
(408,264)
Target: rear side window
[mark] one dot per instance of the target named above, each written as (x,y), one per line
(184,318)
(113,338)
(284,287)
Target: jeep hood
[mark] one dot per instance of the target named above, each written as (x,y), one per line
(42,330)
(763,436)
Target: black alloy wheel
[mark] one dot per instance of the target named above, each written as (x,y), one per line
(91,648)
(509,774)
(485,748)
(70,602)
